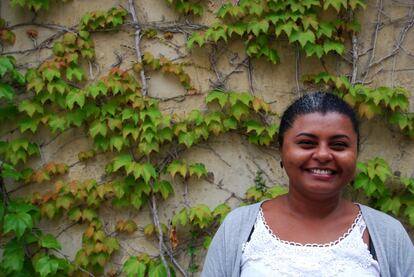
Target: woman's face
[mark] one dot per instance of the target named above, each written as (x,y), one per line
(319,154)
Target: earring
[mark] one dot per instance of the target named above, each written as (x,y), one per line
(281,164)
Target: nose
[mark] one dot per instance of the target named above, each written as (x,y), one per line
(322,153)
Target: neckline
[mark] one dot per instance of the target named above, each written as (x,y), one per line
(356,222)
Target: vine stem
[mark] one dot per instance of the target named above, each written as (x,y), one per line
(355,54)
(156,219)
(138,53)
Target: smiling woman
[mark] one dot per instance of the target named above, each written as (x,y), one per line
(312,231)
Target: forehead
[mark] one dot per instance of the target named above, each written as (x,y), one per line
(331,122)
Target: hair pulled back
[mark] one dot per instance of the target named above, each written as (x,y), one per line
(319,102)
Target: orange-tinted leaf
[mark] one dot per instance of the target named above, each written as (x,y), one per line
(173,238)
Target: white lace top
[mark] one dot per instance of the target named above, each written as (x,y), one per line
(267,255)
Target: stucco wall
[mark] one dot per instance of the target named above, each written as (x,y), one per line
(232,160)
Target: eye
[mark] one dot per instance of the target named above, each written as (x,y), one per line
(339,145)
(307,143)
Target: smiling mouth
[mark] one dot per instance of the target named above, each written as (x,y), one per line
(321,171)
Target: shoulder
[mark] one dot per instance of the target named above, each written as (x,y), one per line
(383,227)
(374,217)
(242,214)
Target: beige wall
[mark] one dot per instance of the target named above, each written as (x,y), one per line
(232,160)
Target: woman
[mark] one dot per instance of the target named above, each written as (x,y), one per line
(312,231)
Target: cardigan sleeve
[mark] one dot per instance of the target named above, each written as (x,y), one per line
(214,264)
(224,254)
(405,255)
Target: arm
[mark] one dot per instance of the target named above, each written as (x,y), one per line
(406,255)
(214,264)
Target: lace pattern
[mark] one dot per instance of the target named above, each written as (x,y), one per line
(287,258)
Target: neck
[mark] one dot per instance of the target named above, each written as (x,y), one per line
(304,206)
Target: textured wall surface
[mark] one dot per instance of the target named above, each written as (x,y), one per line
(386,33)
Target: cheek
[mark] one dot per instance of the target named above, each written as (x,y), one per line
(349,163)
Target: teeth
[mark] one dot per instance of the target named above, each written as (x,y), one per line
(321,171)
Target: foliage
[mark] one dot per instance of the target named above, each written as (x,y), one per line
(262,24)
(9,76)
(27,250)
(369,102)
(166,66)
(374,178)
(6,36)
(140,138)
(260,191)
(187,6)
(33,5)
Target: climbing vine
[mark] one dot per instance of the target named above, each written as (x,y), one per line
(144,145)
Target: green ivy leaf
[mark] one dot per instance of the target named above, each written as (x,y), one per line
(207,242)
(30,107)
(221,210)
(326,29)
(95,90)
(164,188)
(157,270)
(254,193)
(277,191)
(244,98)
(409,212)
(13,256)
(391,205)
(218,95)
(287,27)
(187,138)
(76,117)
(197,169)
(224,10)
(181,218)
(148,147)
(333,46)
(355,3)
(239,109)
(58,49)
(310,21)
(18,223)
(49,241)
(230,123)
(57,86)
(314,49)
(6,92)
(336,4)
(196,37)
(218,33)
(177,166)
(253,125)
(303,37)
(257,27)
(6,65)
(239,28)
(28,124)
(75,96)
(148,172)
(98,128)
(50,73)
(76,71)
(133,267)
(46,266)
(201,215)
(57,123)
(64,202)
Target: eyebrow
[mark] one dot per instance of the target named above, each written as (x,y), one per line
(314,136)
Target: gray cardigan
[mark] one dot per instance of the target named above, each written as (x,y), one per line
(393,247)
